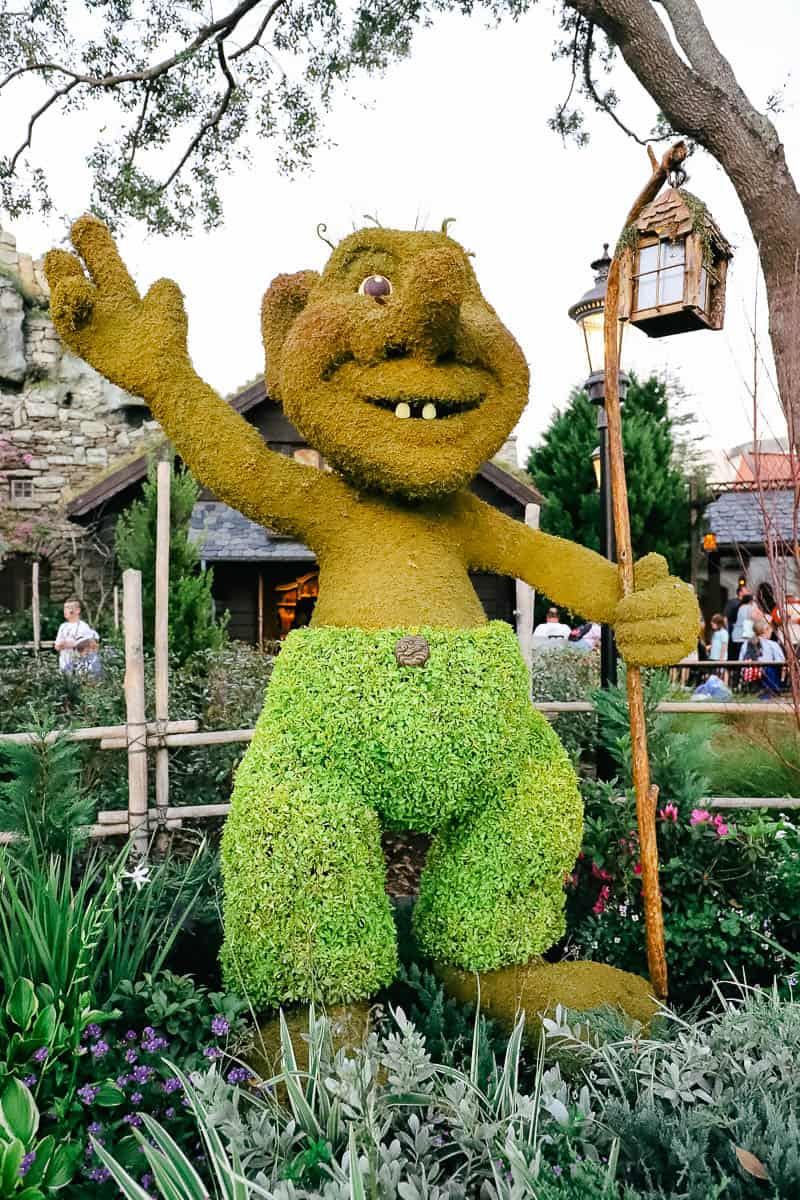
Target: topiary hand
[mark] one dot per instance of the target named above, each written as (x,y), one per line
(657,624)
(135,342)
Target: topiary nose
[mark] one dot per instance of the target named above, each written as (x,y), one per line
(433,302)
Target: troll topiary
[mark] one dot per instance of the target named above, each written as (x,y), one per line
(400,704)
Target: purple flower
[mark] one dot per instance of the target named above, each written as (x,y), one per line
(146,1180)
(142,1074)
(30,1080)
(132,1119)
(131,1056)
(27,1162)
(173,1084)
(40,1055)
(239,1075)
(99,1174)
(219,1026)
(212,1052)
(155,1043)
(88,1092)
(95,1128)
(131,1035)
(123,1080)
(148,1032)
(136,1098)
(91,1031)
(99,1049)
(169,1113)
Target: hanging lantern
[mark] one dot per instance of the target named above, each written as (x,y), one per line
(673,267)
(709,542)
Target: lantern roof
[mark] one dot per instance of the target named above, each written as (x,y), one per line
(676,213)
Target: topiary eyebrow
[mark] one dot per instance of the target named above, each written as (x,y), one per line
(365,248)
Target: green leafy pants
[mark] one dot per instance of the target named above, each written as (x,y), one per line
(350,741)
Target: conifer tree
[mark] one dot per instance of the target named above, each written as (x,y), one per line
(193,625)
(657,465)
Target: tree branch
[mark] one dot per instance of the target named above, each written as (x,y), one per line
(51,100)
(602,102)
(224,25)
(211,123)
(256,39)
(697,43)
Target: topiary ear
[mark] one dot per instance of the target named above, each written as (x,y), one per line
(283,301)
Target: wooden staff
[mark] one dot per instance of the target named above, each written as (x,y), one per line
(35,611)
(646,793)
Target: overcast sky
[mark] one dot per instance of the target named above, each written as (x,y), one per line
(460,130)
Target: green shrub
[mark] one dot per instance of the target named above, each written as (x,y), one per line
(681,1104)
(753,757)
(42,801)
(564,673)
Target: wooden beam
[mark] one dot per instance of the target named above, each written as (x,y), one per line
(35,608)
(136,725)
(163,477)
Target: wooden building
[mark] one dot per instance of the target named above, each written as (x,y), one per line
(267,582)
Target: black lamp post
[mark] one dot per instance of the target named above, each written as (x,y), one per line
(588,313)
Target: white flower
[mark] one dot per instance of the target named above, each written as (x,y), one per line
(623,910)
(140,875)
(635,917)
(616,941)
(781,833)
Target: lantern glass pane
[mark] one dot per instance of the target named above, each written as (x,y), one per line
(672,253)
(646,295)
(671,288)
(648,258)
(593,325)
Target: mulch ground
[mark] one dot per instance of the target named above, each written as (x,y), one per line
(405,857)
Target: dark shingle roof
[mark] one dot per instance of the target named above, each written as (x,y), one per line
(737,517)
(221,533)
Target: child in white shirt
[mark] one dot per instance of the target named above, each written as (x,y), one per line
(72,631)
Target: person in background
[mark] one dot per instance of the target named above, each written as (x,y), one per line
(72,631)
(787,621)
(761,648)
(718,649)
(747,612)
(552,627)
(730,612)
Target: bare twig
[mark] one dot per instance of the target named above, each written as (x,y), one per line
(256,39)
(57,95)
(602,102)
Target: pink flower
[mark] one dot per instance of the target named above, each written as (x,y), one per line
(721,827)
(637,870)
(605,892)
(668,813)
(699,816)
(598,907)
(600,872)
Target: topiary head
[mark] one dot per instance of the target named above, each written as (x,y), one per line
(392,364)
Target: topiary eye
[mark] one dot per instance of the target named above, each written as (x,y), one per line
(377,286)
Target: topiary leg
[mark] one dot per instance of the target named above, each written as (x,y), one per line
(492,892)
(306,914)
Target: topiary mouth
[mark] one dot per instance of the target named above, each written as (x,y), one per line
(424,408)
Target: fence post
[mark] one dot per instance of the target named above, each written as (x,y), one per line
(526,597)
(35,610)
(162,633)
(135,728)
(116,607)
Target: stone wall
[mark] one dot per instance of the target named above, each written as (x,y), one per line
(62,425)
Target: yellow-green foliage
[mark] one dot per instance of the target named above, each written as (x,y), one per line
(538,987)
(346,733)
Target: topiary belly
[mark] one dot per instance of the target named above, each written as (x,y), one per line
(421,744)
